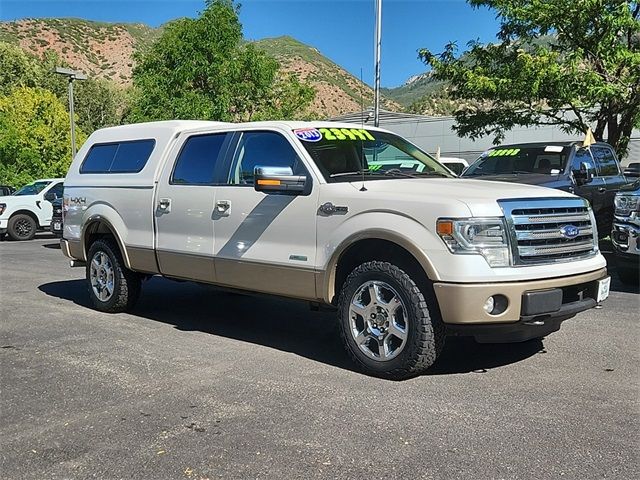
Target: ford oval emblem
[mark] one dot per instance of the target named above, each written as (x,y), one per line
(570,231)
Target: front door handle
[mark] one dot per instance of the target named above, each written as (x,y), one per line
(223,207)
(602,189)
(165,205)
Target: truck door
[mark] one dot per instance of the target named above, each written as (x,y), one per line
(595,190)
(45,209)
(184,207)
(265,242)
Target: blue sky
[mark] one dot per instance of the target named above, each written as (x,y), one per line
(341,30)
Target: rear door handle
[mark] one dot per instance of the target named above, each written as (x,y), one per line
(165,205)
(223,207)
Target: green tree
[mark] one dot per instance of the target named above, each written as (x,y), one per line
(201,68)
(34,136)
(17,69)
(570,63)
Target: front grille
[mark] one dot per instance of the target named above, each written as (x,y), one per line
(541,230)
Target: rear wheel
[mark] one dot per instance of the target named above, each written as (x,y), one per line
(386,324)
(22,227)
(112,287)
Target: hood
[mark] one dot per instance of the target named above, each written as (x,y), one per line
(480,196)
(630,187)
(526,178)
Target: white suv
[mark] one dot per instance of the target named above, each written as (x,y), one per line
(406,255)
(27,210)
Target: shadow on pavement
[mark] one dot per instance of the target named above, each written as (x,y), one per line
(285,325)
(54,246)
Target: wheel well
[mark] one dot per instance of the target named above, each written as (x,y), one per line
(368,250)
(96,230)
(29,213)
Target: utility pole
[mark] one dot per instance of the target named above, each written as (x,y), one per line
(71,76)
(376,90)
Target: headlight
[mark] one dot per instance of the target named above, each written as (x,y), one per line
(2,207)
(627,203)
(477,236)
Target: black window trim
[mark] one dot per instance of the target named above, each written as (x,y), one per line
(220,160)
(237,138)
(118,142)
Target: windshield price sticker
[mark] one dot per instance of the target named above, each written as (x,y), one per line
(509,152)
(346,134)
(317,134)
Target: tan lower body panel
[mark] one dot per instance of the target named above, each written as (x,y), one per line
(72,249)
(199,268)
(142,259)
(463,303)
(266,278)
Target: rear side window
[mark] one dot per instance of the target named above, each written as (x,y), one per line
(197,161)
(119,157)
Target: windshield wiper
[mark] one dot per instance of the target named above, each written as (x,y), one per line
(399,173)
(433,174)
(346,174)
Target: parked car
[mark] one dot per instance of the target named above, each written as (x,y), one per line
(625,236)
(632,170)
(56,217)
(6,190)
(27,210)
(294,209)
(593,173)
(455,164)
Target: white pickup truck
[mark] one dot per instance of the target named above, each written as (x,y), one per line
(27,210)
(405,252)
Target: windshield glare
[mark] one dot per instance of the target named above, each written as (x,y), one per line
(342,153)
(32,189)
(546,160)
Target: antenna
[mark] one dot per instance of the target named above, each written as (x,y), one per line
(363,188)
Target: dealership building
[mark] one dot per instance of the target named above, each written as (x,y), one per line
(429,133)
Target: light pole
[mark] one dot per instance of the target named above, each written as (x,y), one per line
(376,87)
(71,76)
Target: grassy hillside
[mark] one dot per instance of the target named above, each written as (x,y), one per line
(105,50)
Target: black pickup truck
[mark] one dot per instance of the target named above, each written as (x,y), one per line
(593,173)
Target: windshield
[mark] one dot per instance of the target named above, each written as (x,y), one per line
(32,189)
(514,160)
(344,153)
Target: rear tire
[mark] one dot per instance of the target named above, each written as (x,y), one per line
(22,227)
(386,324)
(112,287)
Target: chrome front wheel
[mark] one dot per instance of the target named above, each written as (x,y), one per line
(378,320)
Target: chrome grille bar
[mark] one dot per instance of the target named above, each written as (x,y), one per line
(550,230)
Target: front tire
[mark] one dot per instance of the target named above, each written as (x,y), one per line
(21,227)
(112,287)
(386,324)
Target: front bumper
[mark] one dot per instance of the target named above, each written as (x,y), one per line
(625,238)
(531,308)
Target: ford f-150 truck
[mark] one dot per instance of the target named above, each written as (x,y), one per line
(625,235)
(406,257)
(27,210)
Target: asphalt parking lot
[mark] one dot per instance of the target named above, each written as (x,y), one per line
(198,384)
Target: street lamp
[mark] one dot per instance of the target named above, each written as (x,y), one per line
(71,76)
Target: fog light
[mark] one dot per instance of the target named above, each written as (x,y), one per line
(489,304)
(496,304)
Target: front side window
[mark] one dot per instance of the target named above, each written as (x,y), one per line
(32,189)
(118,157)
(345,153)
(605,160)
(57,189)
(261,149)
(197,161)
